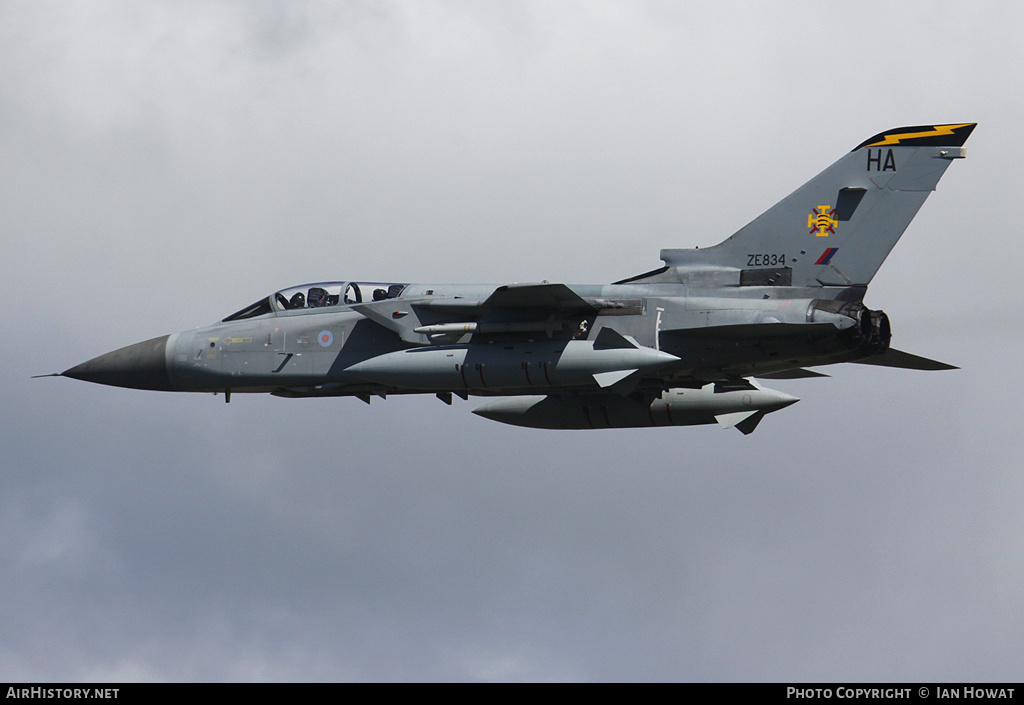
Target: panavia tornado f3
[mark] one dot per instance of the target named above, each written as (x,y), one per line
(681,345)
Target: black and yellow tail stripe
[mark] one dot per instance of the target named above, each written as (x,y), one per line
(922,135)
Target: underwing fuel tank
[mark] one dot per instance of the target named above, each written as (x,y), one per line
(742,409)
(490,367)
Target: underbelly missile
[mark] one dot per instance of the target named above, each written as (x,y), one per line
(742,409)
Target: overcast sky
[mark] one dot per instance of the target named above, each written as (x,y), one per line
(163,164)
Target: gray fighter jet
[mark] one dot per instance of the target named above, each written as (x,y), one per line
(683,344)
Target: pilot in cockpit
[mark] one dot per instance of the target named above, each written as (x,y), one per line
(317,297)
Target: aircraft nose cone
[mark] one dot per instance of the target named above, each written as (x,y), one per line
(139,366)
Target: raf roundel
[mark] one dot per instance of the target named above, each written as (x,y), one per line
(325,338)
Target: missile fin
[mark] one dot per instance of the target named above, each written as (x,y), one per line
(607,379)
(747,426)
(736,418)
(609,338)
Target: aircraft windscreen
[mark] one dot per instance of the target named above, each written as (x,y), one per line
(320,295)
(333,293)
(257,309)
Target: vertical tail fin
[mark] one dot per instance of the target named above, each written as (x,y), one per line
(838,228)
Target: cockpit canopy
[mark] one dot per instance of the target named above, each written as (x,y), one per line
(321,295)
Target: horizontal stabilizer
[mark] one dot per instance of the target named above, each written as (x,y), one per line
(906,361)
(797,373)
